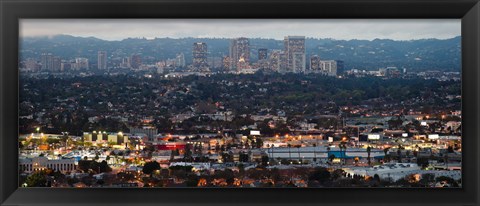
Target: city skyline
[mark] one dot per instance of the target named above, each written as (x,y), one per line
(238,111)
(362,29)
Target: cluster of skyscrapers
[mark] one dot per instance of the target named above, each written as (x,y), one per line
(49,62)
(291,59)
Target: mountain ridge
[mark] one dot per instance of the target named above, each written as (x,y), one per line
(417,55)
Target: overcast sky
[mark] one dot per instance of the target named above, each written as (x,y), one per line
(368,29)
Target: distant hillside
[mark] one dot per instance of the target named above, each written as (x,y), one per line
(417,55)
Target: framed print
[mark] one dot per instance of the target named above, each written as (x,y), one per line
(239,102)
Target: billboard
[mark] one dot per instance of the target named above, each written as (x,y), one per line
(433,136)
(254,132)
(373,136)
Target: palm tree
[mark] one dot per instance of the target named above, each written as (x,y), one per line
(328,152)
(446,160)
(343,147)
(272,152)
(385,150)
(399,153)
(289,153)
(298,150)
(369,150)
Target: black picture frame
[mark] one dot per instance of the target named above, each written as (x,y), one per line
(13,10)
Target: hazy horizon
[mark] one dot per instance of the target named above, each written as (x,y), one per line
(264,38)
(337,29)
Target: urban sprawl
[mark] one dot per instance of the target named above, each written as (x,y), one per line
(278,120)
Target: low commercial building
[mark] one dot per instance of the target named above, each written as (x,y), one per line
(29,165)
(308,153)
(150,131)
(105,137)
(396,171)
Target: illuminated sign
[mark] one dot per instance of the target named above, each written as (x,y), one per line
(433,136)
(373,136)
(254,132)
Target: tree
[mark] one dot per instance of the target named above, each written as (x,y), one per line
(298,150)
(320,174)
(37,179)
(448,180)
(337,174)
(427,179)
(331,157)
(84,165)
(450,149)
(395,123)
(104,166)
(259,143)
(399,153)
(265,159)
(289,152)
(192,180)
(445,159)
(217,147)
(271,148)
(188,152)
(172,155)
(343,149)
(385,151)
(387,157)
(241,169)
(149,167)
(369,150)
(90,165)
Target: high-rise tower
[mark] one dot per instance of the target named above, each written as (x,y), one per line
(239,53)
(200,54)
(295,53)
(102,60)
